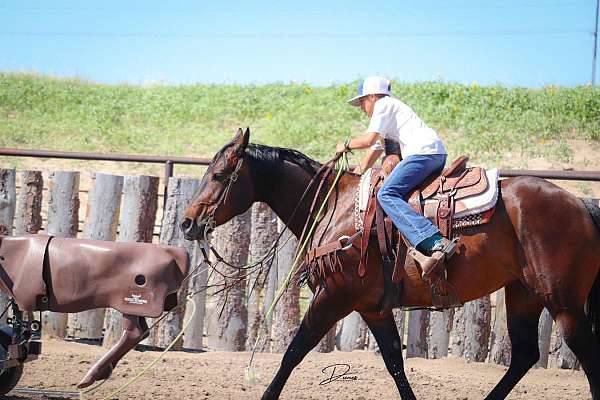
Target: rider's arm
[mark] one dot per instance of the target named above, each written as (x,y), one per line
(364,141)
(361,142)
(368,160)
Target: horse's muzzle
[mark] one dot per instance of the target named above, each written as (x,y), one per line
(191,230)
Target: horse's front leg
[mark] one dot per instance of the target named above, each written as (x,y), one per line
(385,332)
(325,310)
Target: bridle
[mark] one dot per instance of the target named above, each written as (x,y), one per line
(208,221)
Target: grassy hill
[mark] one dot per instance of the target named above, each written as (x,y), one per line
(485,122)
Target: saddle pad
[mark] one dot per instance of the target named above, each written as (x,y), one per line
(364,188)
(466,206)
(474,204)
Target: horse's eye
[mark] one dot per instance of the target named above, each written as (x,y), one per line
(218,176)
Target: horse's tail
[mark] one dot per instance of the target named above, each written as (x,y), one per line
(592,305)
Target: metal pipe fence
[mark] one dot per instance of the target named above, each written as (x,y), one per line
(170,161)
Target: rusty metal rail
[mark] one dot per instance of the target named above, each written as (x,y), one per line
(593,176)
(75,155)
(170,161)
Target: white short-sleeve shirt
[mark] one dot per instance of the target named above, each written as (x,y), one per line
(394,120)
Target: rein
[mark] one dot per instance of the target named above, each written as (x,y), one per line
(209,222)
(303,241)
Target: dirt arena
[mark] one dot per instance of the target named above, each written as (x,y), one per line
(217,375)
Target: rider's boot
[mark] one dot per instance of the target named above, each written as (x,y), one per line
(439,249)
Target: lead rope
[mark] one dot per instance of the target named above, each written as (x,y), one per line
(251,376)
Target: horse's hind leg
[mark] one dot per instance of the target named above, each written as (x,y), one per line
(523,314)
(385,331)
(324,311)
(577,332)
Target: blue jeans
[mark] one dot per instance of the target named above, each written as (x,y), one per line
(409,173)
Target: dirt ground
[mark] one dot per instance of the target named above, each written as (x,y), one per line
(219,375)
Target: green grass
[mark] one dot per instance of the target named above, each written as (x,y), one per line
(196,120)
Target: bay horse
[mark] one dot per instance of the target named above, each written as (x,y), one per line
(542,245)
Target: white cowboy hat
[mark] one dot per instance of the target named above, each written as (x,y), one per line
(371,85)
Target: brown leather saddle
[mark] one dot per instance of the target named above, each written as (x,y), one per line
(437,199)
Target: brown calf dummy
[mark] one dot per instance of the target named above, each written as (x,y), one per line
(72,275)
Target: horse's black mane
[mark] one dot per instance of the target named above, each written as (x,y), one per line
(273,157)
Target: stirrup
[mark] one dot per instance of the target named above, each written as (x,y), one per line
(439,255)
(448,247)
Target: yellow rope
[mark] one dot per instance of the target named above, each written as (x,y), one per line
(250,375)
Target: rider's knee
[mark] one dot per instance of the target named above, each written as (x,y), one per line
(383,195)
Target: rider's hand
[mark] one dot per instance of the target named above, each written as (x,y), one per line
(341,147)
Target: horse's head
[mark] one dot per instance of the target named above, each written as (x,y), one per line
(225,190)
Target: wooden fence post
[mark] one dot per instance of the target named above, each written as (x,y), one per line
(101,223)
(544,336)
(262,237)
(471,330)
(270,291)
(8,200)
(372,343)
(29,209)
(500,341)
(565,358)
(180,192)
(228,327)
(138,213)
(63,204)
(63,221)
(416,340)
(327,344)
(438,338)
(29,206)
(353,332)
(194,335)
(287,311)
(8,203)
(399,318)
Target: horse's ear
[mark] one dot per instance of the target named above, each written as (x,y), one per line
(241,140)
(246,137)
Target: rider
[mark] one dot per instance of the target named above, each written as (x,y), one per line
(422,152)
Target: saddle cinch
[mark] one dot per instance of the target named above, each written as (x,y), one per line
(458,197)
(140,280)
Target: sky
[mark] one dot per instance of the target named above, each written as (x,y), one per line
(528,43)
